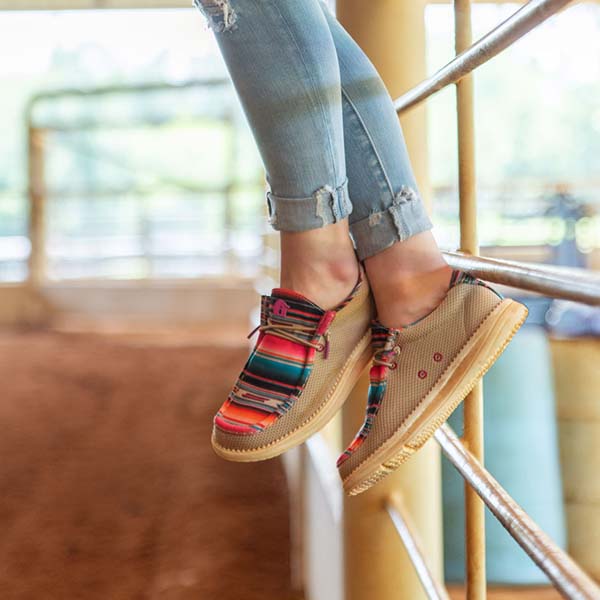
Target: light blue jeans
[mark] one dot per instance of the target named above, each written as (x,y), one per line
(323,121)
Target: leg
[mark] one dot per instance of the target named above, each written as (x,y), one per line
(307,357)
(282,61)
(389,224)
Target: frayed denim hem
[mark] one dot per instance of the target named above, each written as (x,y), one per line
(405,217)
(219,14)
(327,205)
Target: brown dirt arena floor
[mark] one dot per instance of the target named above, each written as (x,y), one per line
(109,489)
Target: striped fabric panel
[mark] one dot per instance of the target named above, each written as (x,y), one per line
(459,276)
(381,336)
(277,370)
(382,342)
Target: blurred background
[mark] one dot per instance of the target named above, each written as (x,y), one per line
(133,247)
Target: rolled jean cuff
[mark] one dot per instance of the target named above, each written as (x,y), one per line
(326,205)
(404,218)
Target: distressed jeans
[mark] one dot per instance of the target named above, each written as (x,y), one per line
(322,119)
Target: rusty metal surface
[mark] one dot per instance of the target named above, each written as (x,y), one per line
(500,38)
(565,574)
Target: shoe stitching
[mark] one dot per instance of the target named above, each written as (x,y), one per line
(308,419)
(388,441)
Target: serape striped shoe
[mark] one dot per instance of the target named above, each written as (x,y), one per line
(305,363)
(421,373)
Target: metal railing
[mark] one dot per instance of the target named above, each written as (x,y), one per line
(38,130)
(467,454)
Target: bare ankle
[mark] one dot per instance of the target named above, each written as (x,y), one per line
(408,280)
(319,264)
(402,303)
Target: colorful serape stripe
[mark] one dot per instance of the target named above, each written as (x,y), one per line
(382,342)
(278,368)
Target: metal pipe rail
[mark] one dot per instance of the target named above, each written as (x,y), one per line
(497,40)
(401,521)
(107,90)
(569,284)
(557,282)
(567,576)
(36,141)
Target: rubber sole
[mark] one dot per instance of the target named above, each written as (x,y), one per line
(345,380)
(471,363)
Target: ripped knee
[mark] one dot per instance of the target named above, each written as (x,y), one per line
(219,14)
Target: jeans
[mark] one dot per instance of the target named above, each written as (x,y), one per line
(322,119)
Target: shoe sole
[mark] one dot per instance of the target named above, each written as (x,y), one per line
(347,377)
(473,361)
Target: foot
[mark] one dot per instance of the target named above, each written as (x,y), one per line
(408,279)
(305,363)
(421,372)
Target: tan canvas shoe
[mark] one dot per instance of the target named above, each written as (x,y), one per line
(305,363)
(422,372)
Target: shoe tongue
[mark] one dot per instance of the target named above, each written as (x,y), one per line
(294,297)
(285,293)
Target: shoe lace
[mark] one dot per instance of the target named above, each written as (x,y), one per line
(383,357)
(293,332)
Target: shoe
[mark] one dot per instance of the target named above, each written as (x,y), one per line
(421,372)
(305,363)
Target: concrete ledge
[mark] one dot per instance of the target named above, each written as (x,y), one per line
(174,302)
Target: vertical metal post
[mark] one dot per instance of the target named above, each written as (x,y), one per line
(473,406)
(433,588)
(567,577)
(228,212)
(37,206)
(145,233)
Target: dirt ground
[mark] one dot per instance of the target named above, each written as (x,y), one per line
(109,489)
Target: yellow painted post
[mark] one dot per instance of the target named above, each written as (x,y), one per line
(37,202)
(392,33)
(473,406)
(377,565)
